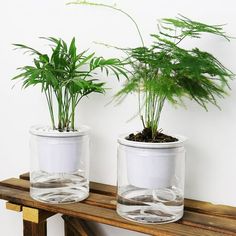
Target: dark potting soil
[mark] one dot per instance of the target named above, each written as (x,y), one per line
(146,136)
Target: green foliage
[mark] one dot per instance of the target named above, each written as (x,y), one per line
(166,71)
(183,27)
(65,77)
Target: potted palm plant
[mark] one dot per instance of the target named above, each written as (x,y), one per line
(150,162)
(60,152)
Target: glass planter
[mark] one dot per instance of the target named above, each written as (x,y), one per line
(151,181)
(59,165)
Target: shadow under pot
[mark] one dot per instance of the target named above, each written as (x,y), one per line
(151,180)
(59,170)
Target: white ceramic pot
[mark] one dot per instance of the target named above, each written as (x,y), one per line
(58,152)
(152,165)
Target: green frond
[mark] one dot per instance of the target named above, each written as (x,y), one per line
(64,76)
(191,28)
(167,72)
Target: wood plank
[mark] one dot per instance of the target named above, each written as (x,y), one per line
(103,215)
(24,176)
(105,189)
(16,184)
(33,229)
(221,224)
(209,222)
(80,227)
(69,231)
(190,205)
(209,208)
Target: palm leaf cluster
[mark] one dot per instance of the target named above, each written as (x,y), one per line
(166,71)
(65,77)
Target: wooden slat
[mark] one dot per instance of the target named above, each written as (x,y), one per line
(103,189)
(103,215)
(209,222)
(24,176)
(77,226)
(69,231)
(16,184)
(33,229)
(209,208)
(218,224)
(190,205)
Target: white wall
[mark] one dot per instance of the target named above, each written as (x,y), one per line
(211,158)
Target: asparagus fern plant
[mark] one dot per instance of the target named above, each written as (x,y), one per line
(65,77)
(166,71)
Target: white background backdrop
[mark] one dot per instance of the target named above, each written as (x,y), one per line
(211,154)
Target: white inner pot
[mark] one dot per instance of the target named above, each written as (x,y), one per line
(152,165)
(58,152)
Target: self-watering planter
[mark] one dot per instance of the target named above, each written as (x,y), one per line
(151,180)
(60,154)
(59,165)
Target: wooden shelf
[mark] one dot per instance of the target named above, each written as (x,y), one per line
(200,218)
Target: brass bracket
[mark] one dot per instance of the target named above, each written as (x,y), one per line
(13,207)
(35,215)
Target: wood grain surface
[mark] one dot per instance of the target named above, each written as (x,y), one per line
(200,218)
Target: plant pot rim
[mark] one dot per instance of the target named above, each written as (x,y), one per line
(47,131)
(123,141)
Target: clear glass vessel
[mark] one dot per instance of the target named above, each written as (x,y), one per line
(151,181)
(59,165)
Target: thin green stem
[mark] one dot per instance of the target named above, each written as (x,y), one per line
(48,95)
(159,107)
(73,105)
(114,8)
(60,110)
(139,33)
(67,105)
